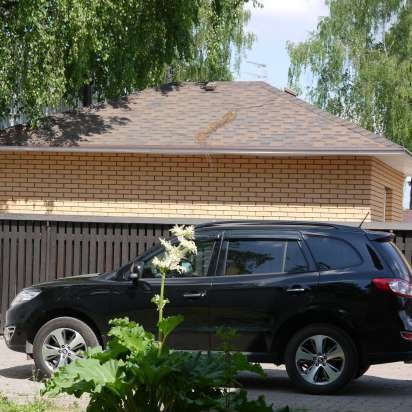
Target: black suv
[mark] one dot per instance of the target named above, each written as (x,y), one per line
(325,300)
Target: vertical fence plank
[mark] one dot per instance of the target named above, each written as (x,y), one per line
(36,258)
(109,248)
(13,264)
(68,260)
(44,251)
(20,253)
(101,248)
(77,245)
(134,240)
(51,253)
(7,275)
(28,263)
(85,248)
(117,246)
(90,249)
(125,245)
(60,249)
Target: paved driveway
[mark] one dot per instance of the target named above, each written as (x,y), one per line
(385,388)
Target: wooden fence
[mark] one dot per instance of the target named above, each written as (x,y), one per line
(37,249)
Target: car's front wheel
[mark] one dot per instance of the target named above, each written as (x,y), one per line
(321,359)
(59,342)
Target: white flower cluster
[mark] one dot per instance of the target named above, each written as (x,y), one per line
(186,232)
(174,254)
(159,302)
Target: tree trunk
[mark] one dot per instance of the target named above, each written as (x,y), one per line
(87,95)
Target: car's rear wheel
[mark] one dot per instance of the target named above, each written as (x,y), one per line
(59,342)
(321,359)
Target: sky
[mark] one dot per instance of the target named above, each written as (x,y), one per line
(276,23)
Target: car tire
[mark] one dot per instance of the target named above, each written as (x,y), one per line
(59,342)
(362,370)
(321,359)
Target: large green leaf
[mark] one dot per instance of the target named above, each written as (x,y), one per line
(84,375)
(128,336)
(168,325)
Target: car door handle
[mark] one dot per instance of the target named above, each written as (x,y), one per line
(296,290)
(194,295)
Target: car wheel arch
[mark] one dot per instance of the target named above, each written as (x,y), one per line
(63,312)
(292,325)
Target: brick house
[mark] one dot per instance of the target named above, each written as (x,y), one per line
(237,150)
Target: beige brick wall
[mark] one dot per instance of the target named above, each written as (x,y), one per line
(384,177)
(329,188)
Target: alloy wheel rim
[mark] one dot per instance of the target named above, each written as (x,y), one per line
(320,360)
(61,347)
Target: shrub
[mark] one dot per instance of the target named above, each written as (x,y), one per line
(132,375)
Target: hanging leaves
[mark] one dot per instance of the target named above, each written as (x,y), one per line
(359,65)
(51,49)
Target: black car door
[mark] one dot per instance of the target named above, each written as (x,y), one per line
(188,294)
(261,281)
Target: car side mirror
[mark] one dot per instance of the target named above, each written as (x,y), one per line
(136,272)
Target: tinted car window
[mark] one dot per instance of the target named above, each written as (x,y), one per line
(375,258)
(396,260)
(245,257)
(295,261)
(331,253)
(195,265)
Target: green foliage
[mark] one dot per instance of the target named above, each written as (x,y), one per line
(359,60)
(51,49)
(131,375)
(168,325)
(215,39)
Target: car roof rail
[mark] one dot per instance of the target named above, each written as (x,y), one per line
(251,222)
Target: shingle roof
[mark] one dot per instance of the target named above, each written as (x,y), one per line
(237,117)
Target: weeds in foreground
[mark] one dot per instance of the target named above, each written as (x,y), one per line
(38,405)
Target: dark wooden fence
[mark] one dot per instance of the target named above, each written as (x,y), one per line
(37,249)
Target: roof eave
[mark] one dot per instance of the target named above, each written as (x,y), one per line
(205,150)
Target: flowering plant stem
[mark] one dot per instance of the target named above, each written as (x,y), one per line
(171,262)
(162,304)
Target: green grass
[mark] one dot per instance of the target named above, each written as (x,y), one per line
(46,406)
(35,406)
